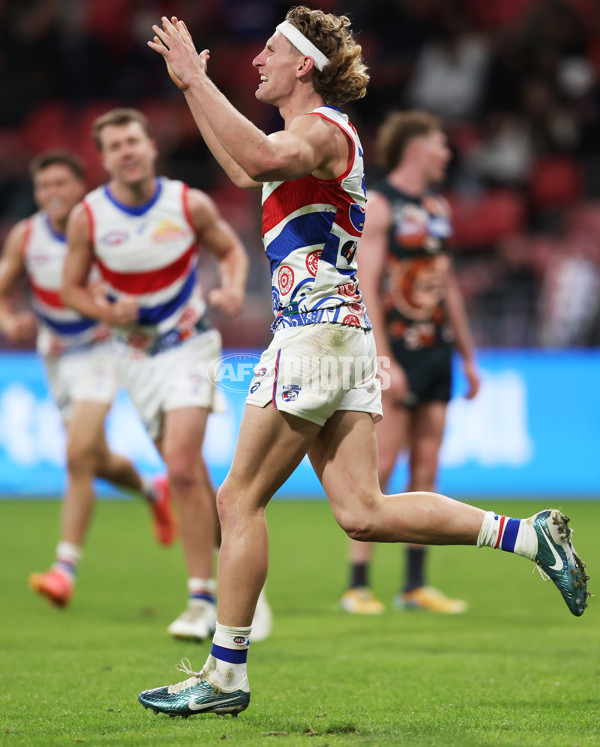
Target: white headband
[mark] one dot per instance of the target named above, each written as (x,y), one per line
(302,44)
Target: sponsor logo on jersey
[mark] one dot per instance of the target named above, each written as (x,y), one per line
(37,259)
(351,320)
(285,279)
(168,231)
(411,226)
(349,250)
(114,238)
(254,387)
(312,261)
(440,227)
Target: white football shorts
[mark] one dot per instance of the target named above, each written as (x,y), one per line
(88,375)
(313,370)
(176,378)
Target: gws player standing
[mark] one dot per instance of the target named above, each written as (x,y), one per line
(418,318)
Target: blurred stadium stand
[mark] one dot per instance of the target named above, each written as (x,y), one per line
(517,83)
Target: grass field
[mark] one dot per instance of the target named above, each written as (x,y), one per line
(517,669)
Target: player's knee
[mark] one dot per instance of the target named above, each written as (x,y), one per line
(223,503)
(82,458)
(236,506)
(358,526)
(183,477)
(227,502)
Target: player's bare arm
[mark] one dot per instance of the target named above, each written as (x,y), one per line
(234,171)
(221,240)
(17,326)
(180,53)
(311,145)
(373,250)
(463,339)
(76,289)
(307,145)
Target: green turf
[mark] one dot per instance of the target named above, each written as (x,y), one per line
(517,669)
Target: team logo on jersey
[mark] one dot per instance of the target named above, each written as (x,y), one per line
(260,371)
(312,261)
(291,392)
(114,238)
(285,279)
(357,217)
(418,287)
(351,320)
(349,250)
(168,231)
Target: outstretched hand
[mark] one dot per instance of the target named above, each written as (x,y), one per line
(175,45)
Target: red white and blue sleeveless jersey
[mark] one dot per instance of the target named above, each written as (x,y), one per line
(150,251)
(311,231)
(60,329)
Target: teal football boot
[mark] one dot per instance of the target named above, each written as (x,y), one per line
(195,695)
(557,560)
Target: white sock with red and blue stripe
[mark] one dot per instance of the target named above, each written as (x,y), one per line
(511,535)
(225,668)
(67,560)
(202,589)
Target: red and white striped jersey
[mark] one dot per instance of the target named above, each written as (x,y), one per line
(149,251)
(60,329)
(311,231)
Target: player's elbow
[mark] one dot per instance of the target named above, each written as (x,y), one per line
(270,166)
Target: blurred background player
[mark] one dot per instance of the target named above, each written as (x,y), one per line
(80,364)
(143,231)
(418,318)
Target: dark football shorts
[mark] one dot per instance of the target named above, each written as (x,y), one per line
(429,372)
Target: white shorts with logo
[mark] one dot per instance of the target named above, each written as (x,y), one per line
(88,375)
(313,370)
(175,378)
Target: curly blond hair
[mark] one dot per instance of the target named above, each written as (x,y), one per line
(345,77)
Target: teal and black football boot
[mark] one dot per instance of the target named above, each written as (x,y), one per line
(557,560)
(195,695)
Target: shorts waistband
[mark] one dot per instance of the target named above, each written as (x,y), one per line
(175,337)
